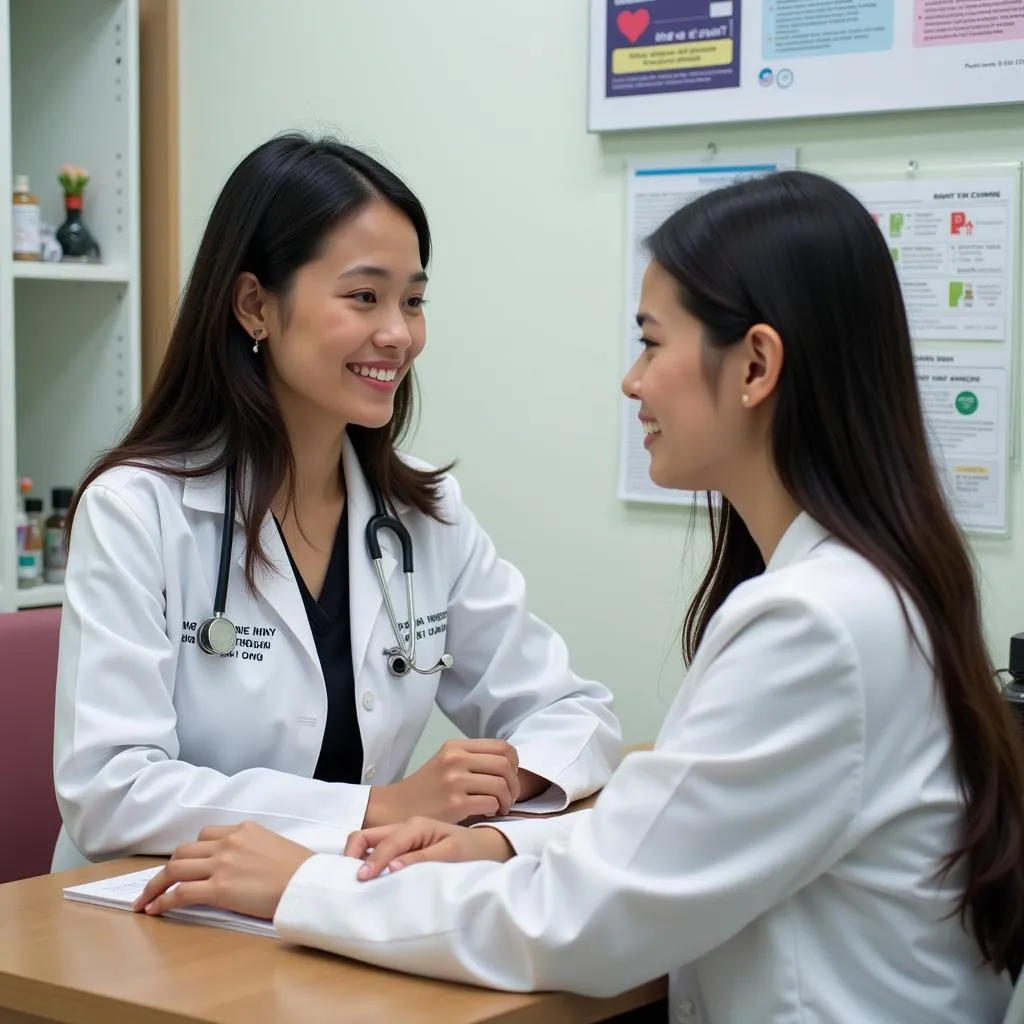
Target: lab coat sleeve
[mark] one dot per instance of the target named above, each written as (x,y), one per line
(529,836)
(120,786)
(512,679)
(747,797)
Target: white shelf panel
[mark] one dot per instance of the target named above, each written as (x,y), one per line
(74,89)
(75,382)
(117,273)
(40,597)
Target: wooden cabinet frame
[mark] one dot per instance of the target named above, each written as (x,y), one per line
(158,126)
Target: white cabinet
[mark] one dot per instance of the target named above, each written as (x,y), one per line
(70,353)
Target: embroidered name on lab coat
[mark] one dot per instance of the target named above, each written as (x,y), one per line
(251,642)
(429,625)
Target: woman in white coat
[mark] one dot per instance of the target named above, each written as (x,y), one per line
(830,827)
(242,496)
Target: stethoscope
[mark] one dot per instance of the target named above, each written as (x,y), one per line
(217,634)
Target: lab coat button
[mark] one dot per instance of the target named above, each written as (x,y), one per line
(368,700)
(684,1011)
(369,773)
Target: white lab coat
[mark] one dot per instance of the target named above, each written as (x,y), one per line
(154,739)
(775,854)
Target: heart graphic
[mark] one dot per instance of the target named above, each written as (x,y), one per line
(633,24)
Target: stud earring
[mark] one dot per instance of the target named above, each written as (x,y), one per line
(746,399)
(256,335)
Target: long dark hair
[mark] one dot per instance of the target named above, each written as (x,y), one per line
(798,252)
(272,217)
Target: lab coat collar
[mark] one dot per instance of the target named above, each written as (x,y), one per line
(205,493)
(802,536)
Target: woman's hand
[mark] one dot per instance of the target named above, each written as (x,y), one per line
(397,846)
(464,779)
(530,785)
(244,868)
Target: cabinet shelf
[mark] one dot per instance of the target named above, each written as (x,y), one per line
(42,596)
(70,334)
(116,273)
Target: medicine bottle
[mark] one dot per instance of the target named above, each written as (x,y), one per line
(55,557)
(26,221)
(30,557)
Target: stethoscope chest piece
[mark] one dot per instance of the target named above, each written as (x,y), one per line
(398,664)
(216,635)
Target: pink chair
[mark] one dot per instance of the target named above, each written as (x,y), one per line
(29,819)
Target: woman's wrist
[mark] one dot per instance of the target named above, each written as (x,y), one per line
(493,844)
(531,785)
(380,807)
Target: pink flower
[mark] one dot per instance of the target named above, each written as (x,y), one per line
(73,179)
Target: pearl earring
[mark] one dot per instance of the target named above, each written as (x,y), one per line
(256,335)
(746,399)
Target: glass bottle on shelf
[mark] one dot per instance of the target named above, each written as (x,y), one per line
(76,241)
(30,557)
(25,219)
(55,556)
(20,524)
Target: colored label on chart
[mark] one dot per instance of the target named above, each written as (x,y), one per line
(954,22)
(661,46)
(953,249)
(965,408)
(815,28)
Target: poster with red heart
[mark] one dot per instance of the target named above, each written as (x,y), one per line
(661,46)
(660,63)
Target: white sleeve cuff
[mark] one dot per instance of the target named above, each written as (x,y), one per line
(529,836)
(547,801)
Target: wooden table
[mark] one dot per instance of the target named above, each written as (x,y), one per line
(78,964)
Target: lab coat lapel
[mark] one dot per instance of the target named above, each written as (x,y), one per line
(365,600)
(277,586)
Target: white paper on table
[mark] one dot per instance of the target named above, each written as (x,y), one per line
(121,891)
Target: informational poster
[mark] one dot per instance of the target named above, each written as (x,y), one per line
(656,63)
(655,191)
(705,54)
(967,406)
(954,243)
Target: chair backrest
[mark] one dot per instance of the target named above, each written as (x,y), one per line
(29,819)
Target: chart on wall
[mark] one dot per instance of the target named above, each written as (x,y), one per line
(656,63)
(655,190)
(954,243)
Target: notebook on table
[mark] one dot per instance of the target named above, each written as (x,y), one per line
(121,892)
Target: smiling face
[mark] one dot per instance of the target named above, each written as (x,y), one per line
(692,436)
(345,335)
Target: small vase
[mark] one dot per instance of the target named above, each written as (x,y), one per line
(75,239)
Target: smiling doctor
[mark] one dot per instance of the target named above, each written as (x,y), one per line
(264,599)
